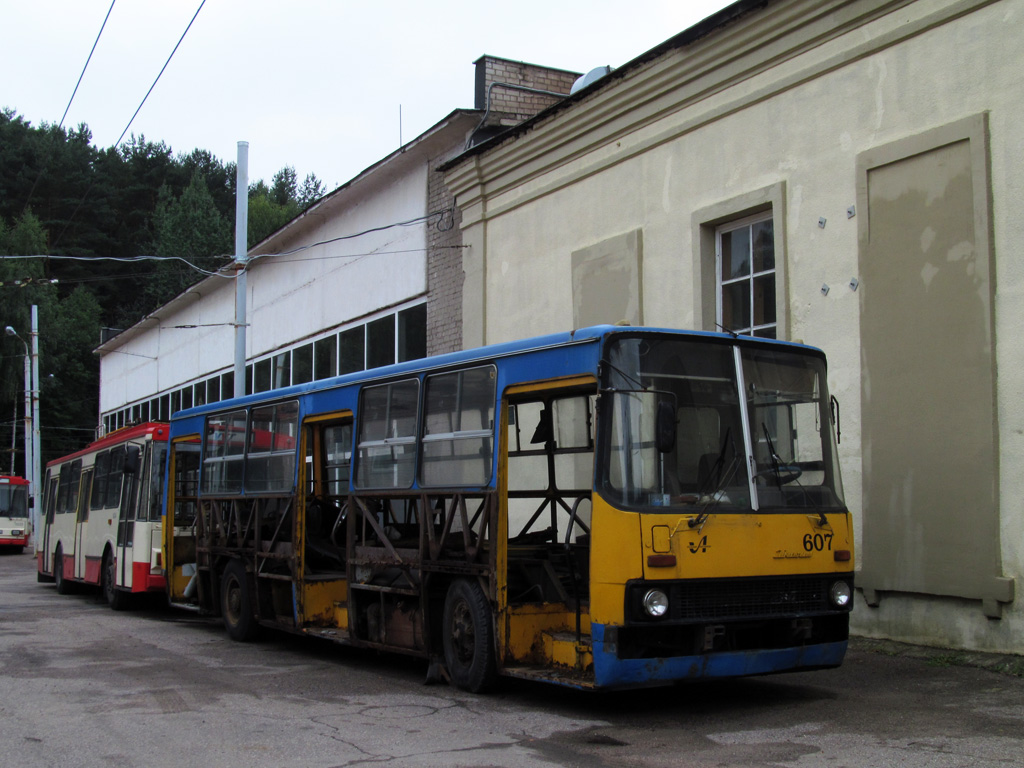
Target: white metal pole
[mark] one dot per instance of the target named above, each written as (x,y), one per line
(37,470)
(28,416)
(241,259)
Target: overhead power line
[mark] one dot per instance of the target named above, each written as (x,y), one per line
(92,50)
(138,109)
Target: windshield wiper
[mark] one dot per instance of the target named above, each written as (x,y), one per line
(793,475)
(624,375)
(724,477)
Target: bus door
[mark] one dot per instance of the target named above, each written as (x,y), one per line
(179,527)
(81,520)
(548,457)
(50,505)
(324,476)
(126,515)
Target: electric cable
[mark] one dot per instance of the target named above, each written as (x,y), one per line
(28,200)
(164,67)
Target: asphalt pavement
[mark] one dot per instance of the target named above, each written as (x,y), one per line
(86,686)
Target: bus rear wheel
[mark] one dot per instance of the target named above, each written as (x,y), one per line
(236,603)
(63,586)
(469,637)
(115,598)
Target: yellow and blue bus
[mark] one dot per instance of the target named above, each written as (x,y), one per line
(611,507)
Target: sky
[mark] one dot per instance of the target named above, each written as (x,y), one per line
(326,86)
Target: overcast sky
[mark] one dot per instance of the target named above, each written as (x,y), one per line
(315,84)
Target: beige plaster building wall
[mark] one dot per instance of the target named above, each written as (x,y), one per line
(784,110)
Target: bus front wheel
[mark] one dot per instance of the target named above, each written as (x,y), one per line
(236,603)
(63,587)
(469,637)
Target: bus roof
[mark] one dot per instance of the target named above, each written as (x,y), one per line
(589,335)
(157,430)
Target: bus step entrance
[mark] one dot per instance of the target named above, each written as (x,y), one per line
(563,650)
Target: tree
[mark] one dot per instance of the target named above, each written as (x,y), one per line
(285,188)
(69,330)
(312,190)
(192,237)
(23,285)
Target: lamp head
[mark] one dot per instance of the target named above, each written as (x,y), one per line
(10,331)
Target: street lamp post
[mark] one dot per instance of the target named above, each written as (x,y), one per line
(32,438)
(28,404)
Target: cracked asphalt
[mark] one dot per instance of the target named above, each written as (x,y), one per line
(85,686)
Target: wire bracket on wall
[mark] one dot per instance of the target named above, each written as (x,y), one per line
(821,222)
(854,283)
(824,289)
(851,211)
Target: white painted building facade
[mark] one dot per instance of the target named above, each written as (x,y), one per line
(867,157)
(342,287)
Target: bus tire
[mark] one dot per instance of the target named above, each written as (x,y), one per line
(236,603)
(63,586)
(115,598)
(468,636)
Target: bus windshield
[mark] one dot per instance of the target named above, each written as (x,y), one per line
(678,434)
(13,500)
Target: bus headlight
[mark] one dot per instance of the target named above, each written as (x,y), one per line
(840,594)
(655,603)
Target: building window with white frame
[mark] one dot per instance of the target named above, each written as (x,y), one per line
(745,252)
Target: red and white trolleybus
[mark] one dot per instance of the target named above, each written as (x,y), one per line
(14,522)
(101,515)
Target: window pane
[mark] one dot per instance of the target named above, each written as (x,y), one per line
(248,379)
(227,385)
(763,239)
(113,495)
(387,435)
(412,333)
(736,253)
(353,350)
(338,447)
(380,340)
(186,397)
(302,364)
(270,463)
(764,299)
(262,382)
(99,481)
(458,428)
(736,306)
(223,452)
(326,358)
(213,389)
(282,370)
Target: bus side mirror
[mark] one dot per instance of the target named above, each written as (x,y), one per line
(131,460)
(665,426)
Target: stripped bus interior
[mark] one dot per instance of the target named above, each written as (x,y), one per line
(609,508)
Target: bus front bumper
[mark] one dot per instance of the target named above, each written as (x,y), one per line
(610,671)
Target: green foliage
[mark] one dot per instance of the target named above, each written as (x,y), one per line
(61,195)
(192,237)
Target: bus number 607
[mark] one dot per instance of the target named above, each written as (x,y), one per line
(817,542)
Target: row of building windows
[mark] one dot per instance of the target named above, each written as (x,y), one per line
(396,337)
(746,285)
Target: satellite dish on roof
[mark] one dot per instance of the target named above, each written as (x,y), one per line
(595,74)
